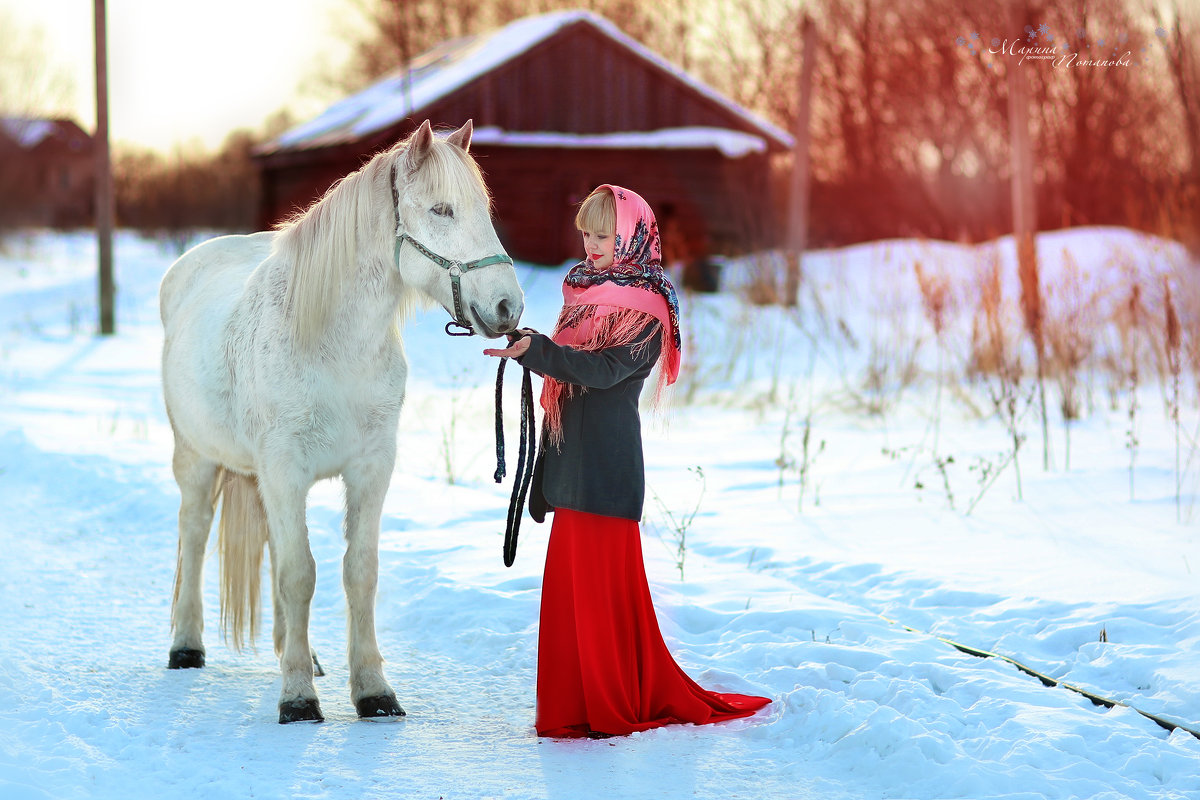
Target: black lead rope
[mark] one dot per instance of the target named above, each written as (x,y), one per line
(525,458)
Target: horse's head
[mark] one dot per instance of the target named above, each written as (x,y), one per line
(447,247)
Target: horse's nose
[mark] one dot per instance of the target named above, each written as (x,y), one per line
(508,313)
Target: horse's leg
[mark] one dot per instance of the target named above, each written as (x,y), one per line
(279,620)
(295,576)
(366,484)
(197,478)
(279,627)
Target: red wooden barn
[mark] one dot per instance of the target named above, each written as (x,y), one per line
(561,102)
(47,173)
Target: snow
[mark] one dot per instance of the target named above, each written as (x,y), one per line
(732,144)
(787,588)
(453,64)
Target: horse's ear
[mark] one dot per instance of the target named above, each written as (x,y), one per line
(462,136)
(418,147)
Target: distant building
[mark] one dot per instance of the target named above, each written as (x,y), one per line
(47,173)
(561,102)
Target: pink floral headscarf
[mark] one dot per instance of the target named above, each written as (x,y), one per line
(611,307)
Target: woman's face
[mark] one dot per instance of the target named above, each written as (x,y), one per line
(598,248)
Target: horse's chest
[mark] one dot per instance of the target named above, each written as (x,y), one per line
(362,407)
(348,420)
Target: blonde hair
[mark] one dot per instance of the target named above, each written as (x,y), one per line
(598,212)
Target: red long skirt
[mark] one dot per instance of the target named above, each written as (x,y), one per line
(603,667)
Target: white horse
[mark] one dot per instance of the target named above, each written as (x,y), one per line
(283,365)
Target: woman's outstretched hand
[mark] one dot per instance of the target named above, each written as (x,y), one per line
(516,347)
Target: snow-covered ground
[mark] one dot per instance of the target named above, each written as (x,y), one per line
(823,581)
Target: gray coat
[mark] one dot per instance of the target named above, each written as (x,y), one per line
(598,468)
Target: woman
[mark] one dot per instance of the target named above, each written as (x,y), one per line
(603,668)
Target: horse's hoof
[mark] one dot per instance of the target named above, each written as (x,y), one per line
(381,706)
(186,659)
(300,711)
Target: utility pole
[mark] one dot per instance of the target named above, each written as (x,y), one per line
(1024,212)
(104,180)
(797,224)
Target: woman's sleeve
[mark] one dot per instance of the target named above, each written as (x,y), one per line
(600,369)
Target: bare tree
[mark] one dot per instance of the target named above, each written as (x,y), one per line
(387,34)
(1178,34)
(1179,37)
(31,83)
(752,54)
(177,193)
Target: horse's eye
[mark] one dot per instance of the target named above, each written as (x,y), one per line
(443,210)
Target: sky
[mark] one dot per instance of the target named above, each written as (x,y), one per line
(187,74)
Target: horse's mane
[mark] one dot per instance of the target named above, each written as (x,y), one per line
(324,243)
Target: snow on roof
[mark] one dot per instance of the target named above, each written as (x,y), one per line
(732,144)
(27,132)
(453,64)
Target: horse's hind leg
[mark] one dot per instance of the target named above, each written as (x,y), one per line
(197,478)
(366,485)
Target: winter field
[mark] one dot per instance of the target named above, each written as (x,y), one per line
(832,493)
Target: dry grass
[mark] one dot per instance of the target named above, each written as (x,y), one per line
(1070,328)
(766,284)
(935,297)
(993,348)
(1107,319)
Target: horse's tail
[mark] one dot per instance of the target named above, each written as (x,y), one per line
(242,536)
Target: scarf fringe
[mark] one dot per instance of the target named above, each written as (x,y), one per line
(619,328)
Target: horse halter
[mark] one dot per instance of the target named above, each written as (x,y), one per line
(455,268)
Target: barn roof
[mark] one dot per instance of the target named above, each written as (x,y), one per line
(732,144)
(454,64)
(30,132)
